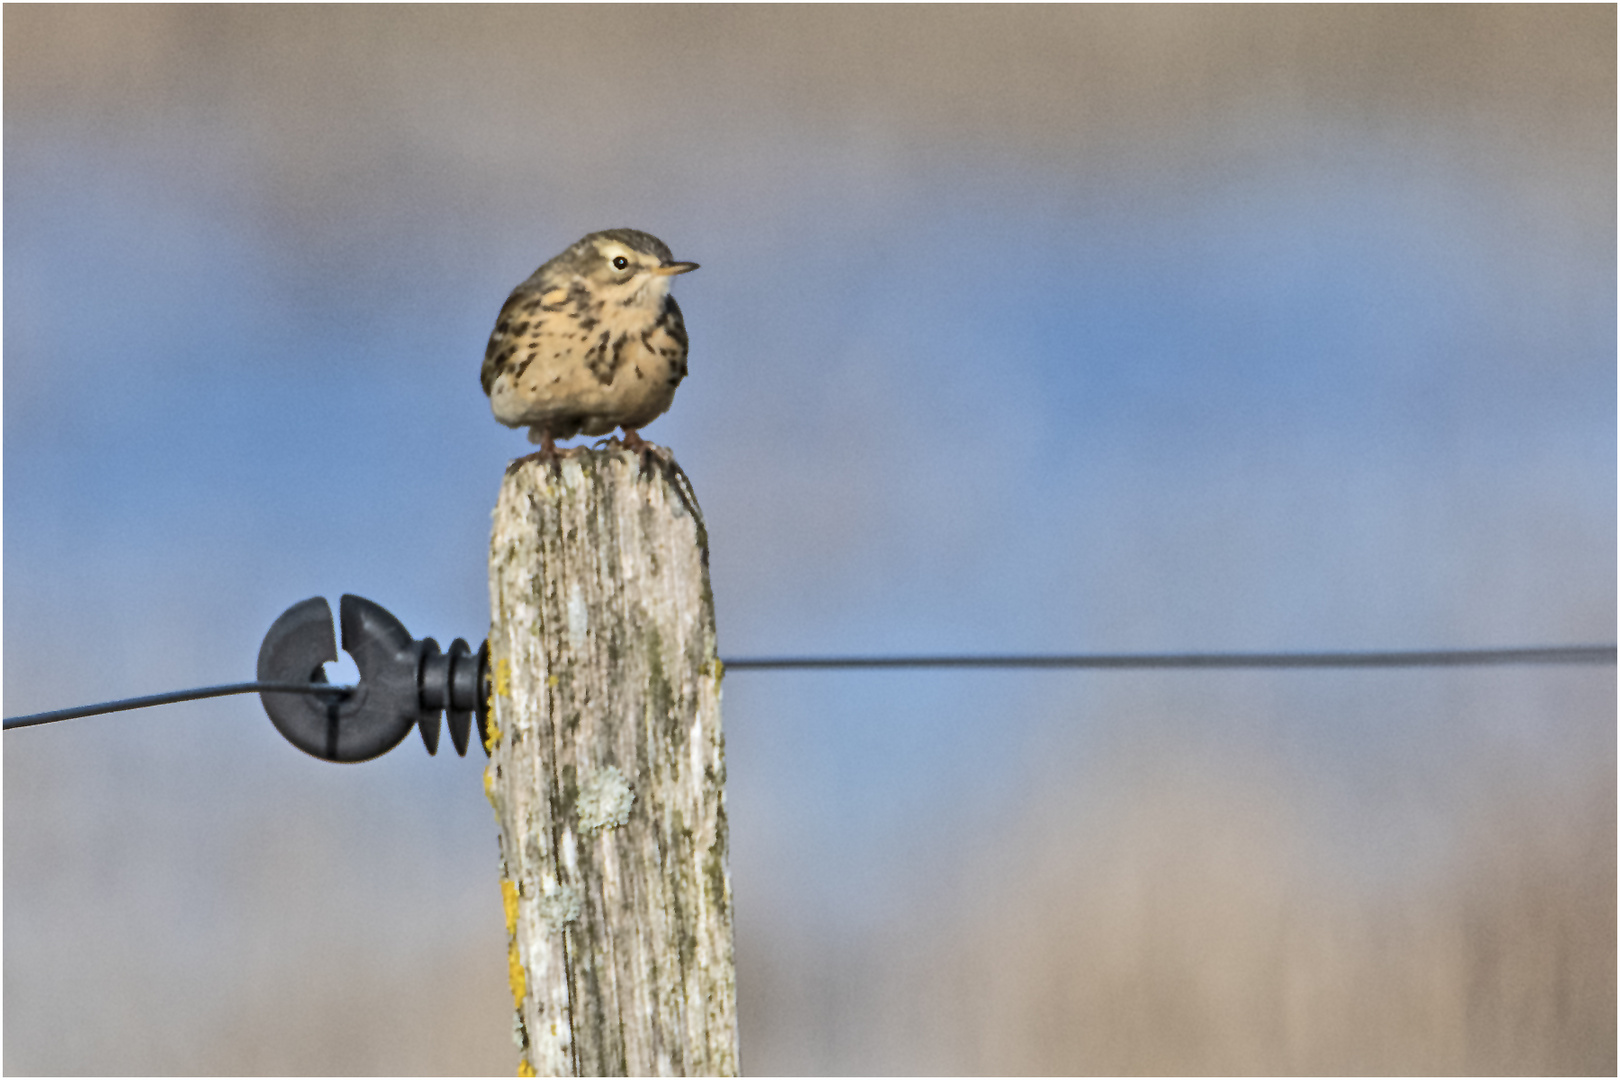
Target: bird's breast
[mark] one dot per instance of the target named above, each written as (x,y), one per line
(556,357)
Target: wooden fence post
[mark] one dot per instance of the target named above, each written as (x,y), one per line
(607,769)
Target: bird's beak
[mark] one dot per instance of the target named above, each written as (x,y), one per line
(675,268)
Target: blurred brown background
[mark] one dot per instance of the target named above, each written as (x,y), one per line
(1019,329)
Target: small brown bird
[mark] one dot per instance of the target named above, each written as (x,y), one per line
(590,342)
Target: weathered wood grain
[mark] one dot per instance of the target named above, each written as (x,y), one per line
(607,769)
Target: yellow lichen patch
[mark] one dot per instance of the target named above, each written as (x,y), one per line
(503,677)
(493,737)
(489,783)
(509,901)
(552,681)
(524,1068)
(514,973)
(514,963)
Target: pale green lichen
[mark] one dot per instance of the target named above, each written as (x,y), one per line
(558,909)
(604,800)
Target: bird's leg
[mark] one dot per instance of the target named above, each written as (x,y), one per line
(547,451)
(646,451)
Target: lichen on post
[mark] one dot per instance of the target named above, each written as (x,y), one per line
(607,768)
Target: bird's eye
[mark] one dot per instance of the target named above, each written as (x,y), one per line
(620,262)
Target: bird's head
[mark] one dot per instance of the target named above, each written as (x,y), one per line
(628,267)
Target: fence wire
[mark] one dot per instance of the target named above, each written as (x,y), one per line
(1421,658)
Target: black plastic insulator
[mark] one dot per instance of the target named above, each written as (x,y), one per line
(462,679)
(450,681)
(427,721)
(403,682)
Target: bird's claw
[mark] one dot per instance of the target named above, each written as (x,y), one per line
(548,453)
(648,452)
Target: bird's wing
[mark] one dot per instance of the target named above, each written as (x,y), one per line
(521,308)
(674,323)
